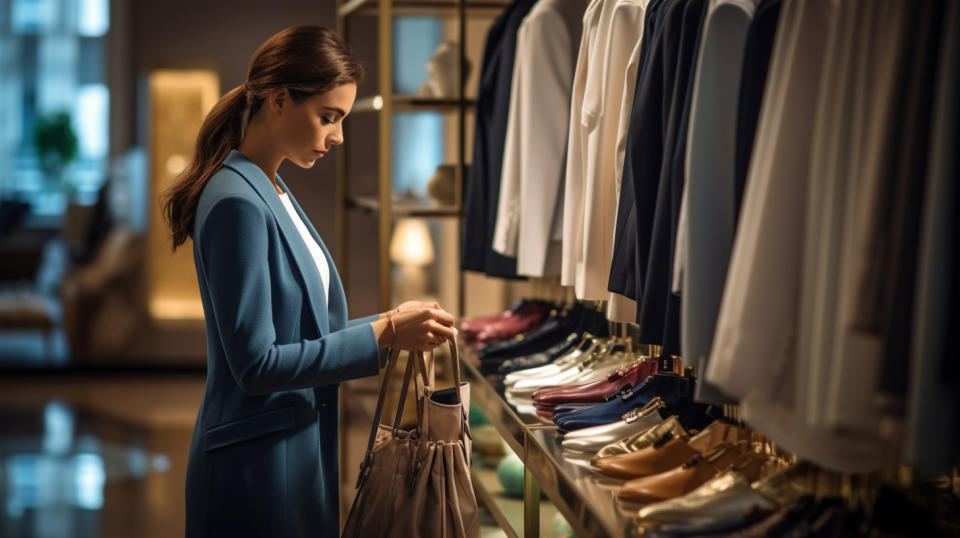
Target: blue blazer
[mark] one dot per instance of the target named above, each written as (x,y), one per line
(263,460)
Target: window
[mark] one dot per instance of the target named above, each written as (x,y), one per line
(52,60)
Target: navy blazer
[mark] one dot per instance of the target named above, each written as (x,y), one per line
(263,461)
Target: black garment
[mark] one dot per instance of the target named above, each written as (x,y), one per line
(622,268)
(756,60)
(906,198)
(483,184)
(645,139)
(658,311)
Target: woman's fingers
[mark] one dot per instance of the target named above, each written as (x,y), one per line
(443,317)
(442,330)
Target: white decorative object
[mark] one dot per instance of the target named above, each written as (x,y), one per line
(442,72)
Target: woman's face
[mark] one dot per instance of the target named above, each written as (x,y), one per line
(307,130)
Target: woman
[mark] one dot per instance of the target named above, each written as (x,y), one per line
(263,461)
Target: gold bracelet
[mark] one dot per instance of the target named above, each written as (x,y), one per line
(393,328)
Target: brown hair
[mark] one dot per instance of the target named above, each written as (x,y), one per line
(306,60)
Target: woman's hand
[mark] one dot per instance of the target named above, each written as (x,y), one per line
(415,328)
(410,305)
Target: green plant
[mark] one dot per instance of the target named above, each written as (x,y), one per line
(56,145)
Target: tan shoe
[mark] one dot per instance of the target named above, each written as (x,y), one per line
(682,479)
(726,495)
(669,452)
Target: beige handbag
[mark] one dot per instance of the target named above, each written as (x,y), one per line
(417,482)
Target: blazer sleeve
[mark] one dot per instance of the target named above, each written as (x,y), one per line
(363,320)
(233,248)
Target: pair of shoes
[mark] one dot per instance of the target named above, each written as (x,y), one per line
(597,391)
(588,344)
(553,330)
(525,320)
(670,451)
(673,389)
(547,413)
(730,502)
(506,366)
(693,473)
(726,495)
(671,426)
(596,437)
(471,330)
(606,359)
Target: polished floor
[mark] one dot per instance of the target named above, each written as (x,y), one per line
(94,456)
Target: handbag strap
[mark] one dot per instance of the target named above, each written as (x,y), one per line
(392,356)
(455,365)
(455,370)
(414,360)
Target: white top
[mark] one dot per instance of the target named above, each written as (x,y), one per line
(315,251)
(528,222)
(590,190)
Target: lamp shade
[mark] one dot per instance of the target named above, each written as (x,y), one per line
(411,243)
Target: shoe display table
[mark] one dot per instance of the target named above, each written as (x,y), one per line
(587,500)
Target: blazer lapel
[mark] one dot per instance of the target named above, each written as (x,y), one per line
(337,304)
(255,176)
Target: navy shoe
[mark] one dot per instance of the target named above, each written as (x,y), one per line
(538,359)
(571,407)
(673,389)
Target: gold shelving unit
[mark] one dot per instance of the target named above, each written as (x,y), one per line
(383,206)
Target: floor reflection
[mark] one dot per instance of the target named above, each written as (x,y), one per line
(93,457)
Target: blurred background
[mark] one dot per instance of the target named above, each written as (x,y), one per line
(102,347)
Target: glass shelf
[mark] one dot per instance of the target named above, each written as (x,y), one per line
(585,499)
(414,7)
(402,103)
(404,207)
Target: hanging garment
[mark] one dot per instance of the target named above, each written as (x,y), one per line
(643,152)
(835,160)
(754,351)
(754,335)
(528,221)
(898,121)
(756,62)
(622,305)
(932,439)
(658,311)
(710,211)
(880,289)
(483,178)
(589,192)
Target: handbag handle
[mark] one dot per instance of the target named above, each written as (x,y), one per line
(392,356)
(414,368)
(455,367)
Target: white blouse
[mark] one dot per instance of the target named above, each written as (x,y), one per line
(315,251)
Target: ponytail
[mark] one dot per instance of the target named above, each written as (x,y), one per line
(222,130)
(306,60)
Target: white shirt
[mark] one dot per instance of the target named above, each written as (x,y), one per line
(528,220)
(590,190)
(315,251)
